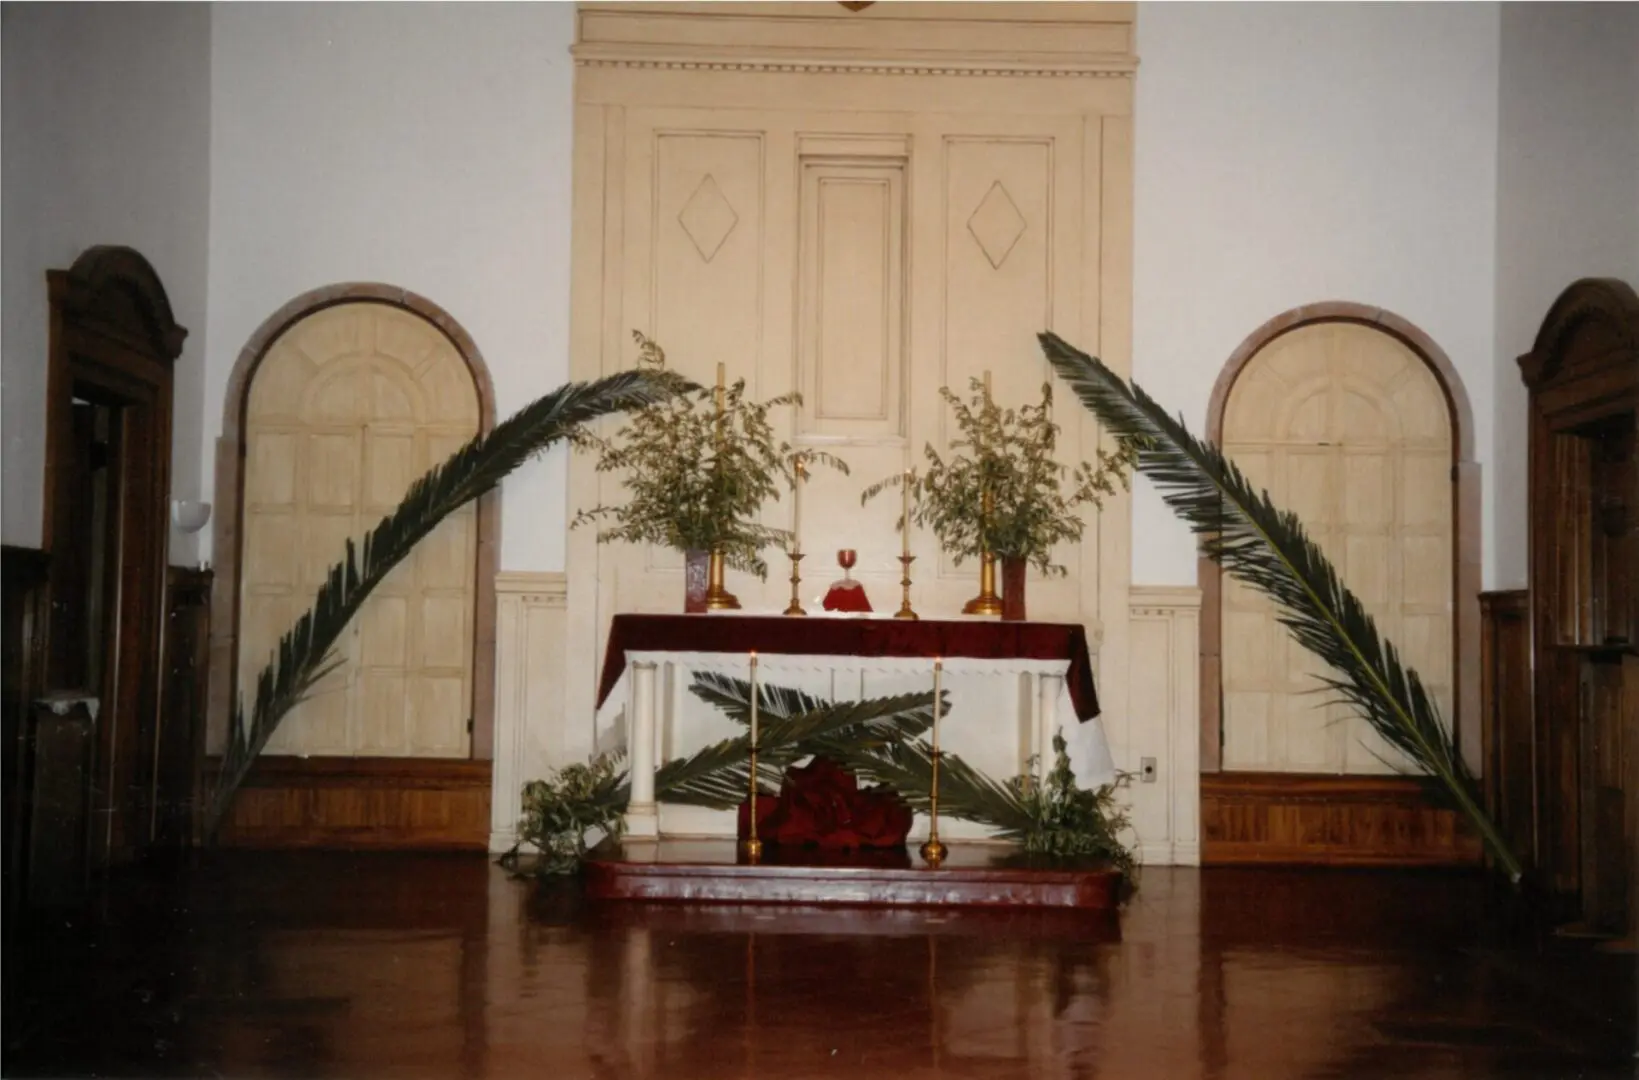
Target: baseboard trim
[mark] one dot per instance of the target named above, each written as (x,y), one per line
(1321,820)
(416,804)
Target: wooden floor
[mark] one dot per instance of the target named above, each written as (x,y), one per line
(382,965)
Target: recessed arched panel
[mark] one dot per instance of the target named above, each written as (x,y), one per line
(341,400)
(1349,420)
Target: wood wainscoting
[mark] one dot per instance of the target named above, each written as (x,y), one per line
(1301,818)
(335,802)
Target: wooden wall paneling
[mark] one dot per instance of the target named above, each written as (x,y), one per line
(24,628)
(179,749)
(1292,818)
(361,803)
(1505,694)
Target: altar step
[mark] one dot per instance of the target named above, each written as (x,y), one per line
(972,876)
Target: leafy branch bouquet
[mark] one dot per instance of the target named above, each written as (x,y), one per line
(698,475)
(1009,455)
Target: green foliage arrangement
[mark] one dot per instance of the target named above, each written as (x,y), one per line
(1008,453)
(1267,548)
(698,481)
(1072,821)
(560,810)
(306,653)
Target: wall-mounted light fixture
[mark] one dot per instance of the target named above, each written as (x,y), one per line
(189,516)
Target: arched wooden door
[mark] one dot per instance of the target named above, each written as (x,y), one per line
(1347,426)
(349,406)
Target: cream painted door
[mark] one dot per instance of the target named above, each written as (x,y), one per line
(1347,427)
(348,407)
(866,259)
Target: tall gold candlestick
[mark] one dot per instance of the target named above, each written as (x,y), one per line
(987,602)
(933,852)
(718,598)
(752,847)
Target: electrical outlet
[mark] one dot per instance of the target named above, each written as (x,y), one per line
(1146,770)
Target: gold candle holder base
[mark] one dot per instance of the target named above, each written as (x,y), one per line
(987,602)
(751,848)
(905,611)
(933,852)
(717,597)
(796,579)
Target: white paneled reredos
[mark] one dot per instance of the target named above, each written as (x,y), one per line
(349,406)
(1346,426)
(863,206)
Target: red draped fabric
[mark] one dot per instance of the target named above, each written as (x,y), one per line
(854,637)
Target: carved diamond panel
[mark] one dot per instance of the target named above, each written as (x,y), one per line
(996,224)
(707,218)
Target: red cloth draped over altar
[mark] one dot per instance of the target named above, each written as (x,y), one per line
(818,636)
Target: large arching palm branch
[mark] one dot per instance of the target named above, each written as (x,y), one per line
(1268,548)
(306,654)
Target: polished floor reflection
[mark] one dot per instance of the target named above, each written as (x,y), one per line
(321,965)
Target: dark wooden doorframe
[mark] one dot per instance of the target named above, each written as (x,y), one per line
(113,340)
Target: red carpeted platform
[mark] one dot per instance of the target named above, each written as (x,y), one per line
(972,876)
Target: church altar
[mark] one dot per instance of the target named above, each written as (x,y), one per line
(1011,685)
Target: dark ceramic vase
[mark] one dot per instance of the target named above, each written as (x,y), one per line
(1013,573)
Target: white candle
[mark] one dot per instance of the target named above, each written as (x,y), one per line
(938,671)
(796,506)
(905,526)
(754,697)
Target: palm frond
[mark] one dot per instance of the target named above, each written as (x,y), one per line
(777,703)
(305,653)
(1268,549)
(883,749)
(719,775)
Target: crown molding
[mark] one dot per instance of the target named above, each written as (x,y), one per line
(1015,40)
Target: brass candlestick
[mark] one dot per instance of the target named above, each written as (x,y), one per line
(905,611)
(987,602)
(752,847)
(933,852)
(796,578)
(717,597)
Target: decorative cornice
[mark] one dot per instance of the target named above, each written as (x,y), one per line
(1115,69)
(548,587)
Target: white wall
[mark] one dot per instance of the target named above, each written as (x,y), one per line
(1567,202)
(106,141)
(425,146)
(1294,153)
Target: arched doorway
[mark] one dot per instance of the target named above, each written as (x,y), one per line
(1354,419)
(339,401)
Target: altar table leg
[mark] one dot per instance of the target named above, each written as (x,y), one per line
(642,818)
(1047,723)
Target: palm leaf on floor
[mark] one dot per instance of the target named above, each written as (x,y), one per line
(305,654)
(1268,549)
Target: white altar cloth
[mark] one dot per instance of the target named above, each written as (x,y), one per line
(651,713)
